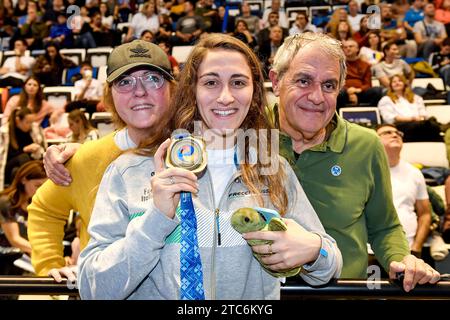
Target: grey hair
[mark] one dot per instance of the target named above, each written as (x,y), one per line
(294,43)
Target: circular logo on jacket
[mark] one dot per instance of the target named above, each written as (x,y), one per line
(336,170)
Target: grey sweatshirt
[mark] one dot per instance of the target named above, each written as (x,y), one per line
(134,251)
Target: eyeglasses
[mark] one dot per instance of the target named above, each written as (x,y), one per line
(150,80)
(391,132)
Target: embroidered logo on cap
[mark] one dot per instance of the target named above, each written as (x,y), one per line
(139,52)
(336,170)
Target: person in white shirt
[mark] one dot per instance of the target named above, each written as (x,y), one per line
(16,69)
(88,91)
(276,7)
(354,17)
(408,189)
(302,24)
(147,19)
(401,104)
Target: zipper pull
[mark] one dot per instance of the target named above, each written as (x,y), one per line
(219,240)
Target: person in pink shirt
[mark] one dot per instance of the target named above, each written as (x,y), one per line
(31,97)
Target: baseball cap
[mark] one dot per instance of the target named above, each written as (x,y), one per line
(134,54)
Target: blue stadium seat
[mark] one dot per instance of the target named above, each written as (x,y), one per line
(70,72)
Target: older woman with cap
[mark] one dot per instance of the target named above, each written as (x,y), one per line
(137,93)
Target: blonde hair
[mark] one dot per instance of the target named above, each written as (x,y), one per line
(293,44)
(184,100)
(407,92)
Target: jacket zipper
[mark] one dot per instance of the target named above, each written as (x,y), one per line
(219,242)
(217,239)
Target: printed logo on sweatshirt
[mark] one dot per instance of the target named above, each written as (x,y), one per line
(245,193)
(146,195)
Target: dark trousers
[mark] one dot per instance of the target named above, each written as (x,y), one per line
(11,82)
(90,106)
(370,97)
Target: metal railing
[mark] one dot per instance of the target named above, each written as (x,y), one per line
(336,289)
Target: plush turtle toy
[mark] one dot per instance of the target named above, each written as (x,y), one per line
(261,219)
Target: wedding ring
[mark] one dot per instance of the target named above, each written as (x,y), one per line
(172,181)
(270,249)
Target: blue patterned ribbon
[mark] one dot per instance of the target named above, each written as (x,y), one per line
(191,272)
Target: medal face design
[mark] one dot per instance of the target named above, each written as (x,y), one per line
(187,152)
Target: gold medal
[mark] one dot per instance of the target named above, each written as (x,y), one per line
(187,152)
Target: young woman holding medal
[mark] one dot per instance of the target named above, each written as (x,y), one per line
(150,214)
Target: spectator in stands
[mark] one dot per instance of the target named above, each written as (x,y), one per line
(17,68)
(107,18)
(264,34)
(268,50)
(30,97)
(177,10)
(373,53)
(21,8)
(51,14)
(413,15)
(391,65)
(253,21)
(354,16)
(165,28)
(21,141)
(123,10)
(146,19)
(34,30)
(82,33)
(302,24)
(275,7)
(88,90)
(147,35)
(50,207)
(58,128)
(429,33)
(206,10)
(362,35)
(224,23)
(60,33)
(103,36)
(224,77)
(80,127)
(440,61)
(327,153)
(358,82)
(409,190)
(13,215)
(401,104)
(242,33)
(393,30)
(49,67)
(443,14)
(343,31)
(190,26)
(165,45)
(84,14)
(8,20)
(337,16)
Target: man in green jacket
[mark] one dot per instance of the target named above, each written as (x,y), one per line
(341,166)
